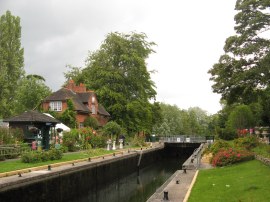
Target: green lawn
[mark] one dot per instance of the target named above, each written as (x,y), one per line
(245,182)
(11,165)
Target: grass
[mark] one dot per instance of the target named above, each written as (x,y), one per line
(12,165)
(247,181)
(263,150)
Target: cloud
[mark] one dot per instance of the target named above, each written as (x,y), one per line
(189,37)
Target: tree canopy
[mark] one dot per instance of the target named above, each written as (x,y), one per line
(11,61)
(118,73)
(243,71)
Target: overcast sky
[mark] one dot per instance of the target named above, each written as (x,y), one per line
(190,36)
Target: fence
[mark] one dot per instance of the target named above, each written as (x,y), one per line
(12,151)
(183,139)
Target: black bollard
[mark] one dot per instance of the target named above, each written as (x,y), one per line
(89,159)
(19,174)
(166,196)
(49,167)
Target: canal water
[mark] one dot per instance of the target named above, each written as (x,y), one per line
(134,188)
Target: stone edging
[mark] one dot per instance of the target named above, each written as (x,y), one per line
(191,186)
(264,160)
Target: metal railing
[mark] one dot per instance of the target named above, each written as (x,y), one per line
(183,139)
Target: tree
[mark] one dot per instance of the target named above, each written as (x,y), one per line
(30,92)
(118,74)
(112,129)
(241,118)
(91,122)
(243,71)
(11,61)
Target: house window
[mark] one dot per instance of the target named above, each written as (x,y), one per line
(81,125)
(56,106)
(94,109)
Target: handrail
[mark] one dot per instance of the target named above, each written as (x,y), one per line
(184,139)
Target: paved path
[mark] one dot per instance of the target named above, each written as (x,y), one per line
(178,192)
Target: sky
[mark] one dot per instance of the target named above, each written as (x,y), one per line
(190,36)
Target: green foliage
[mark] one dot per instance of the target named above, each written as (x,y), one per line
(68,117)
(243,71)
(218,145)
(71,140)
(248,142)
(31,91)
(138,141)
(98,141)
(11,135)
(117,72)
(11,62)
(39,156)
(112,129)
(91,122)
(175,121)
(241,117)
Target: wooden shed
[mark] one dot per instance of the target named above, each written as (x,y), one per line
(35,125)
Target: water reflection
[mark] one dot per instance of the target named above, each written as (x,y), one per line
(135,188)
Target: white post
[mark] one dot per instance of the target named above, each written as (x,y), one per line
(109,144)
(114,148)
(121,143)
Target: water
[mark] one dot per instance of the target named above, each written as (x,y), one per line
(135,188)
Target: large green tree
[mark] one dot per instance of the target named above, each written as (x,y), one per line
(30,92)
(243,70)
(11,61)
(118,73)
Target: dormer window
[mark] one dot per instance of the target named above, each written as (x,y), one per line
(56,106)
(94,109)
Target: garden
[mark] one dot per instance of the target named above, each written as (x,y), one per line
(236,176)
(77,144)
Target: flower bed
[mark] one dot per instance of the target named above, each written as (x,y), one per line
(228,156)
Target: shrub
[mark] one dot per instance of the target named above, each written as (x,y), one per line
(71,140)
(38,156)
(217,145)
(230,156)
(97,141)
(248,142)
(138,140)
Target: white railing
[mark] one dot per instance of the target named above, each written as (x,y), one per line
(183,139)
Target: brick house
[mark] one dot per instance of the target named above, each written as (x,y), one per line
(84,101)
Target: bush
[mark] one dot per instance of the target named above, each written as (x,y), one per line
(248,142)
(138,140)
(230,156)
(217,145)
(97,141)
(39,156)
(71,140)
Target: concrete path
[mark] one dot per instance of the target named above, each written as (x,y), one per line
(179,185)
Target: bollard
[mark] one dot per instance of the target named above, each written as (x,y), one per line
(89,159)
(113,154)
(73,164)
(49,167)
(19,174)
(141,148)
(103,157)
(128,151)
(166,197)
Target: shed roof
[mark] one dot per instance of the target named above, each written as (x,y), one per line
(32,116)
